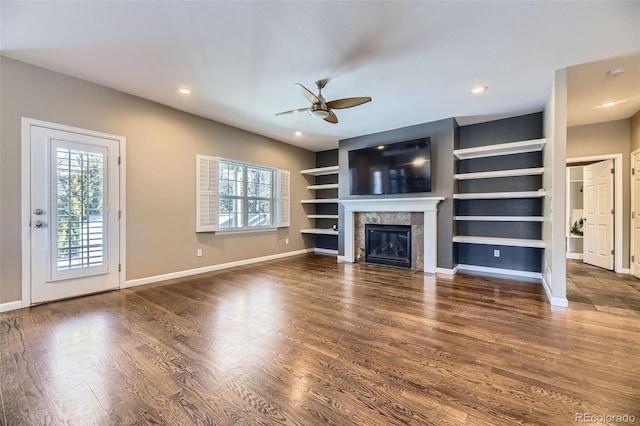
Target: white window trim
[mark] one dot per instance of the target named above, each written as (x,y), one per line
(208,196)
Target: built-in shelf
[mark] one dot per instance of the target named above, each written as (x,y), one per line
(324,186)
(327,252)
(500,173)
(574,210)
(501,218)
(323,212)
(320,201)
(321,231)
(513,242)
(331,170)
(500,149)
(497,195)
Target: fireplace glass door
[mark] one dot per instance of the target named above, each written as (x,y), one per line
(388,244)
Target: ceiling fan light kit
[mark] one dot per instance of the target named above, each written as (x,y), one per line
(320,107)
(317,110)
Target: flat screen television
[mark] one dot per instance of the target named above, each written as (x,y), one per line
(396,168)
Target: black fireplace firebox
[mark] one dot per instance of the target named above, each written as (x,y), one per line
(388,244)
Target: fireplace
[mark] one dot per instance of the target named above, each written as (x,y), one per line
(425,205)
(388,245)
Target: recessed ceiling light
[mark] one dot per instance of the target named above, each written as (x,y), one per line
(609,104)
(615,71)
(480,88)
(184,91)
(380,146)
(298,133)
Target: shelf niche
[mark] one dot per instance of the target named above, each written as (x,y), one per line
(499,196)
(322,210)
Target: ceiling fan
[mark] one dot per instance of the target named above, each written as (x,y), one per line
(319,105)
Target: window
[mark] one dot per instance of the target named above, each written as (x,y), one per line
(232,195)
(79,231)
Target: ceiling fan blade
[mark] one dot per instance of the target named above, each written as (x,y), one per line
(293,111)
(331,118)
(347,102)
(308,94)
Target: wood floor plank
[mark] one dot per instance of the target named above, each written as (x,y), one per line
(307,340)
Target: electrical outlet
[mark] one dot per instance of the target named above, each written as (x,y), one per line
(199,252)
(496,253)
(286,241)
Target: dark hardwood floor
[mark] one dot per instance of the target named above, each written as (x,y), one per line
(308,341)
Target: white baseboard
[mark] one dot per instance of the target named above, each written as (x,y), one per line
(625,271)
(327,252)
(554,301)
(341,259)
(576,256)
(446,271)
(10,306)
(181,274)
(500,271)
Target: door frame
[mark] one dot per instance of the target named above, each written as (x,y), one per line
(617,208)
(25,211)
(632,238)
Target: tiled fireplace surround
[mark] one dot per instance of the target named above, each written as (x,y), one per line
(420,213)
(416,220)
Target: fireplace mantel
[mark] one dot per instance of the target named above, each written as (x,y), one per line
(426,205)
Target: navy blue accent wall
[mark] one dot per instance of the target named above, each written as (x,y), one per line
(529,230)
(521,128)
(516,161)
(509,207)
(326,159)
(515,258)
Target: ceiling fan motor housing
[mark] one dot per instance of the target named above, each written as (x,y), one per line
(319,110)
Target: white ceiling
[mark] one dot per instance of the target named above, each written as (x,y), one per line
(590,86)
(417,60)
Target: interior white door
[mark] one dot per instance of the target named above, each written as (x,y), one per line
(74,214)
(635,213)
(598,211)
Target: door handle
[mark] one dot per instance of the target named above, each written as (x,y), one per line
(40,224)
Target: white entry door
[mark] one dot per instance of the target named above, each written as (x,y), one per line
(635,215)
(74,213)
(598,211)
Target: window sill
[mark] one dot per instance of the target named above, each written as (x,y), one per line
(247,230)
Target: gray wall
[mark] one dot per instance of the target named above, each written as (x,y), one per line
(443,136)
(635,131)
(161,146)
(611,137)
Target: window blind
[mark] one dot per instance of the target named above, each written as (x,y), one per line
(206,193)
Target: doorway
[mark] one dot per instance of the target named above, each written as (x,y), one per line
(635,213)
(608,254)
(73,204)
